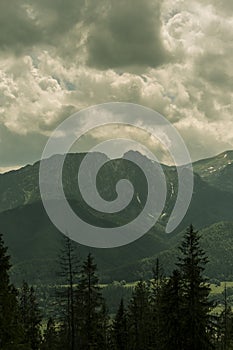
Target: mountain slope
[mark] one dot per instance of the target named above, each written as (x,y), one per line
(217,171)
(217,242)
(35,243)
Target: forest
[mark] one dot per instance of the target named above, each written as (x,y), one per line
(163,313)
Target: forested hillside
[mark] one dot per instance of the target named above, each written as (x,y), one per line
(164,312)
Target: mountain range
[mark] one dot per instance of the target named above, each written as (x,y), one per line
(35,243)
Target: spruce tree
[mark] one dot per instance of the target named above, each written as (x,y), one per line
(196,307)
(120,328)
(11,331)
(89,307)
(171,330)
(140,318)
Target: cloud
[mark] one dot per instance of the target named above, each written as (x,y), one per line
(17,26)
(225,7)
(127,34)
(18,150)
(205,138)
(57,25)
(60,57)
(28,97)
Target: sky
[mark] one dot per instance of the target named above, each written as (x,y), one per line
(58,57)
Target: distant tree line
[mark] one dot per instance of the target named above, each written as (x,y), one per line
(164,313)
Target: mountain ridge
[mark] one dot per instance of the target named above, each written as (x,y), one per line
(35,243)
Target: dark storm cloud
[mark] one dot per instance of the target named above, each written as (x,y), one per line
(118,33)
(31,22)
(17,28)
(57,17)
(127,34)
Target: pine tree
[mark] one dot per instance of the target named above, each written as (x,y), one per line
(120,328)
(196,306)
(11,332)
(89,307)
(30,316)
(140,318)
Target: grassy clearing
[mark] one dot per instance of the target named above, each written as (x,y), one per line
(220,289)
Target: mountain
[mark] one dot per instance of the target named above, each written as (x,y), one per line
(35,243)
(217,171)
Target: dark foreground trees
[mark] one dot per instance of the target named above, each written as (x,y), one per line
(196,307)
(225,326)
(139,318)
(30,316)
(20,319)
(171,314)
(91,325)
(83,320)
(120,336)
(165,313)
(175,312)
(11,331)
(50,336)
(68,262)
